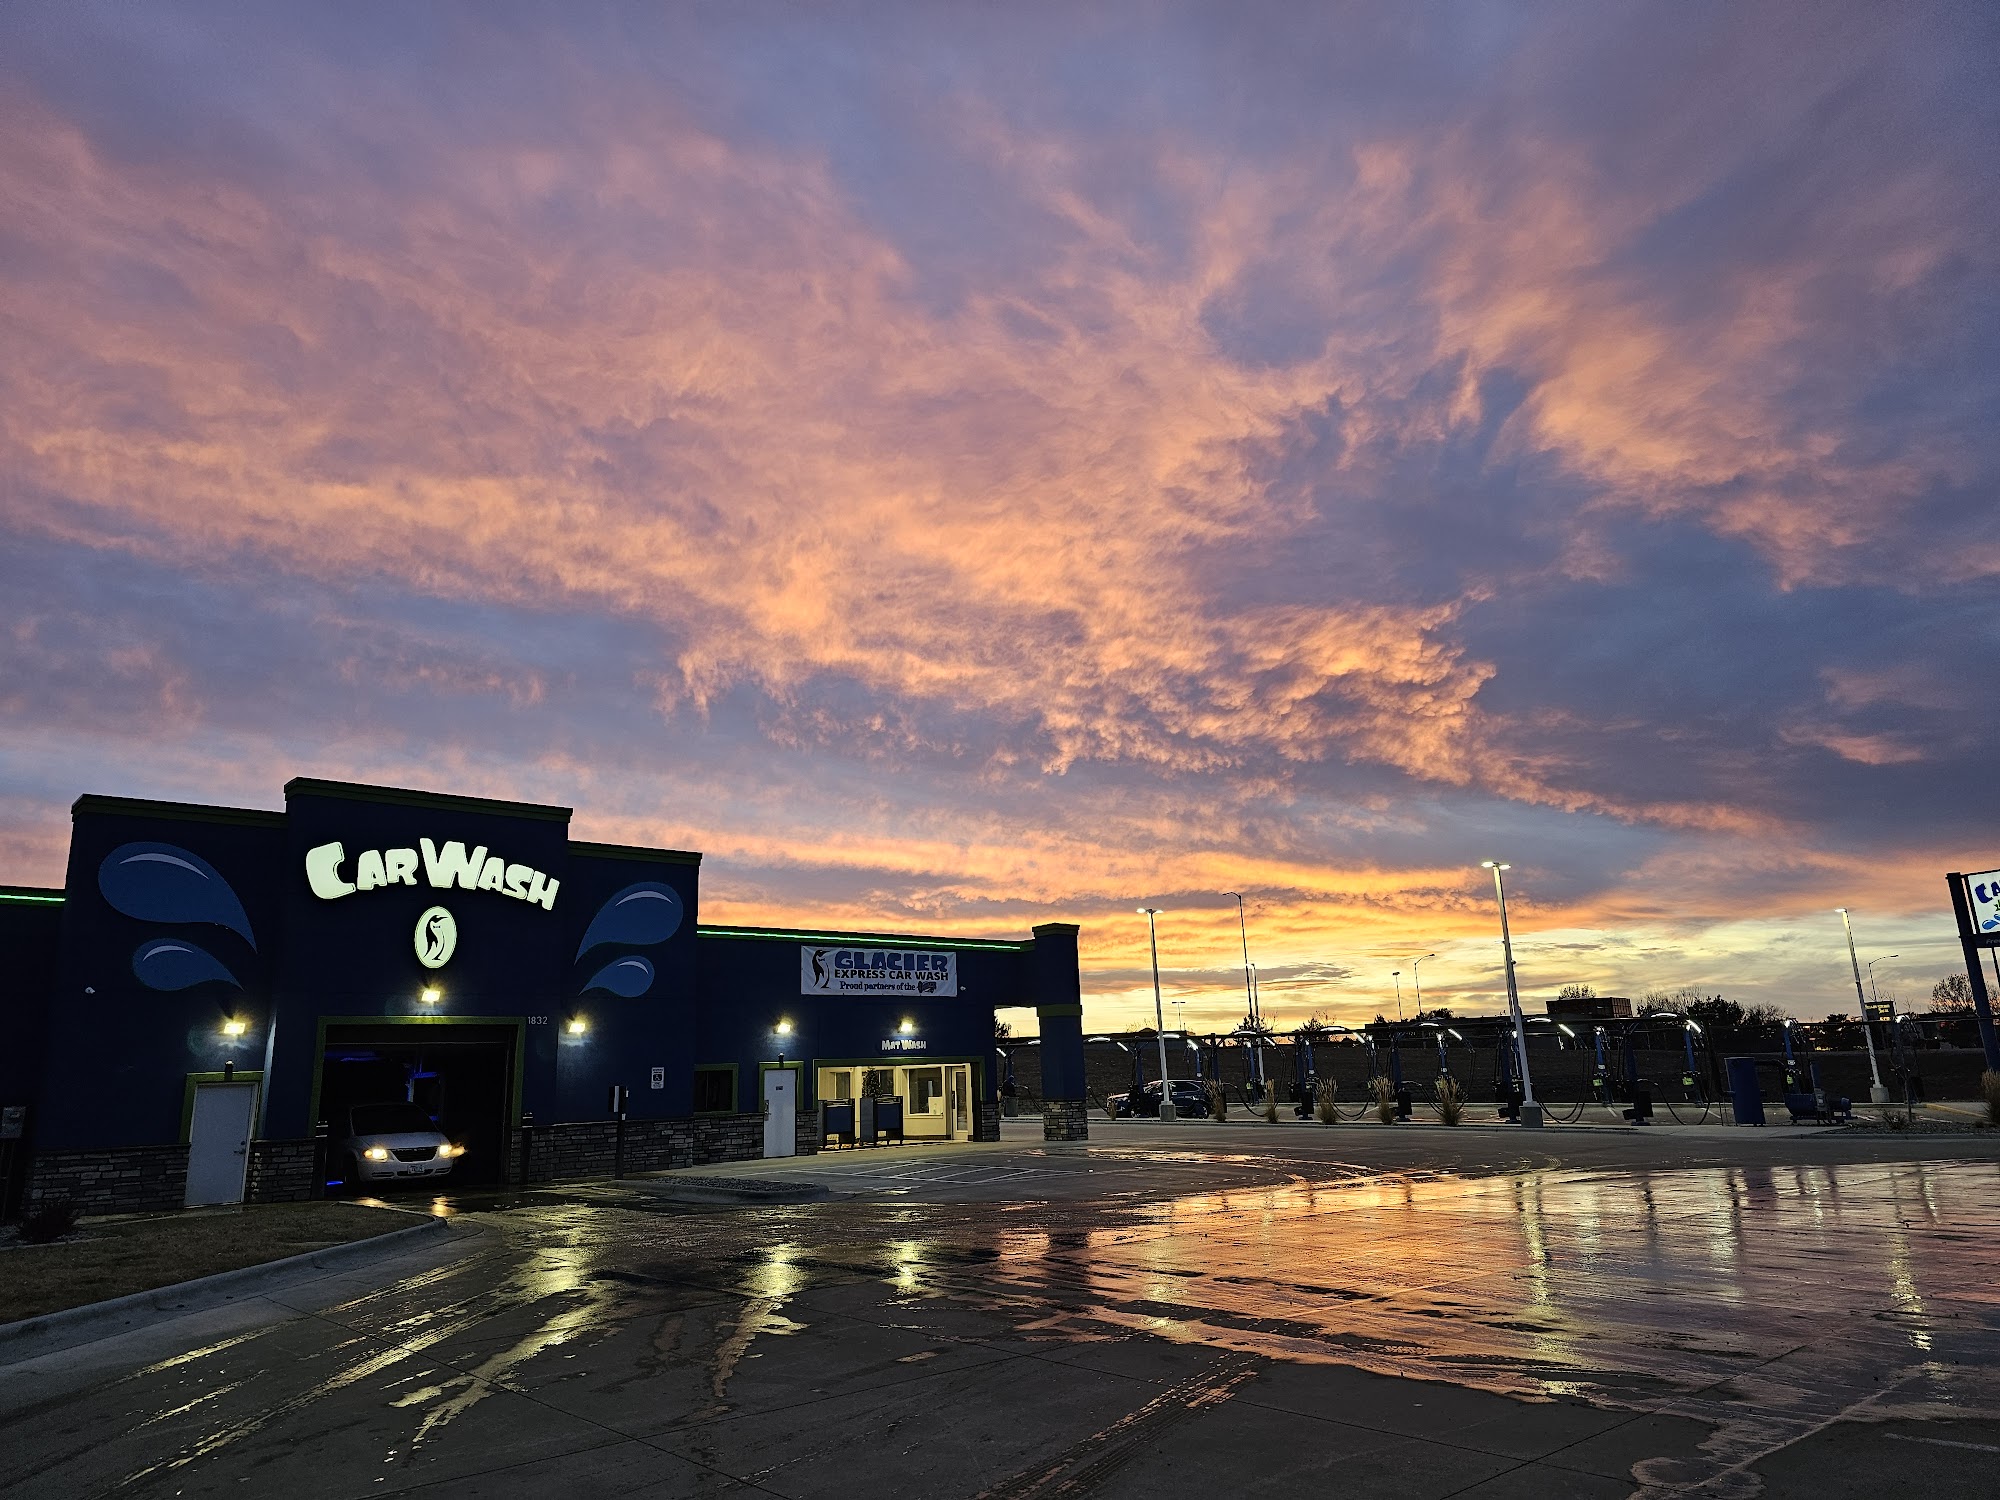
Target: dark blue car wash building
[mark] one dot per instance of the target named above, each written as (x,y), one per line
(194,1016)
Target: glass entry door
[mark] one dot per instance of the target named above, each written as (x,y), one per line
(925,1112)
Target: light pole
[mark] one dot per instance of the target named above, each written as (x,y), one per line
(1873,993)
(1397,975)
(1167,1110)
(1243,931)
(1256,1026)
(1417,977)
(1876,1093)
(1531,1112)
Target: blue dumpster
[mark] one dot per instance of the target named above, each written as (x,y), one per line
(1746,1096)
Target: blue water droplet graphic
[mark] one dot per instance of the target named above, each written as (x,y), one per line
(176,964)
(641,915)
(630,977)
(165,883)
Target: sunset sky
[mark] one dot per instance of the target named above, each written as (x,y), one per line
(964,466)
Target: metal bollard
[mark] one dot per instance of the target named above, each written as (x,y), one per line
(319,1139)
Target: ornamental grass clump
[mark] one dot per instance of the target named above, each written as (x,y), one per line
(1385,1099)
(1989,1085)
(49,1220)
(1269,1109)
(1218,1102)
(1323,1106)
(1450,1100)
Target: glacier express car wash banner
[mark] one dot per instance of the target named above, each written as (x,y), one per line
(876,971)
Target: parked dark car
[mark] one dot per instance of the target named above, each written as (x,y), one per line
(1190,1098)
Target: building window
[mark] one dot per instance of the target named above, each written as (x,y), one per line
(715,1089)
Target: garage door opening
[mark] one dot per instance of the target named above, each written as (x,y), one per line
(394,1079)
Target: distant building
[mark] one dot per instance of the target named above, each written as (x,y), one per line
(1591,1008)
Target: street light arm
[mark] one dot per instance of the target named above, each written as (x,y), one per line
(1513,993)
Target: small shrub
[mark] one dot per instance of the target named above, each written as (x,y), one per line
(1895,1120)
(1218,1102)
(1270,1109)
(1385,1099)
(1989,1085)
(1324,1109)
(49,1221)
(1451,1100)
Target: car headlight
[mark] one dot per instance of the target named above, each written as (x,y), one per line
(377,1153)
(449,1150)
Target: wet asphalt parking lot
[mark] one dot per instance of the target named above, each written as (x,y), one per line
(1169,1310)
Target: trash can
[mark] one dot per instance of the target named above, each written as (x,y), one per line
(1746,1095)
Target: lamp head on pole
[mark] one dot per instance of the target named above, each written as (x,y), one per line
(1490,864)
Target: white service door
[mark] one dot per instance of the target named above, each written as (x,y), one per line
(219,1142)
(781,1112)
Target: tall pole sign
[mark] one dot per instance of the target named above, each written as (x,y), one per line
(1975,901)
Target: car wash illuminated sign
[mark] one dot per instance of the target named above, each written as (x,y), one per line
(445,866)
(876,971)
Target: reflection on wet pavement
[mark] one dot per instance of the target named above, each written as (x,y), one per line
(1658,1332)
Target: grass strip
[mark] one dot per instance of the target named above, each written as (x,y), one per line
(115,1256)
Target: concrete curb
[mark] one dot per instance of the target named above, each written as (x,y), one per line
(96,1320)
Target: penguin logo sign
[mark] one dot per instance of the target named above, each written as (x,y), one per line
(1985,892)
(437,937)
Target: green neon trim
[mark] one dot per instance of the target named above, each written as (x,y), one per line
(895,939)
(27,900)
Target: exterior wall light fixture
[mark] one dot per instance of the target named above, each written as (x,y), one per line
(431,994)
(578,1026)
(907,1027)
(234,1028)
(784,1028)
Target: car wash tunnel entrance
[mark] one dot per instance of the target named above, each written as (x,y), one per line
(464,1076)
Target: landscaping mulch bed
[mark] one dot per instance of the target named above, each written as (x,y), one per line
(115,1256)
